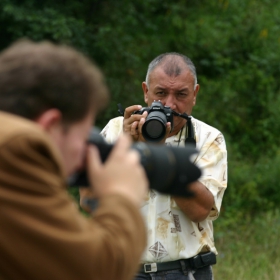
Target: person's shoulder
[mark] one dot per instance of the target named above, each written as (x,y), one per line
(117,120)
(113,129)
(115,123)
(24,139)
(12,126)
(206,134)
(204,126)
(23,136)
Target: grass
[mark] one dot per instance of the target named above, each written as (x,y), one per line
(249,249)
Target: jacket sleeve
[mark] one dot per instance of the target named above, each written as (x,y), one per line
(44,236)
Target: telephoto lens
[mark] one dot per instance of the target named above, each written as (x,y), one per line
(168,169)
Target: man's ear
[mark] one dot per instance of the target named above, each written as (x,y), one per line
(49,119)
(196,90)
(145,91)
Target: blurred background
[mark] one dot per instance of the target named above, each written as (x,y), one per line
(234,45)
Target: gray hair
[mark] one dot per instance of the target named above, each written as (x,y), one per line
(172,67)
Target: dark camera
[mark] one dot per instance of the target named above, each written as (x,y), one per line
(168,169)
(154,128)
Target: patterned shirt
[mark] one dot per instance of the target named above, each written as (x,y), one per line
(171,234)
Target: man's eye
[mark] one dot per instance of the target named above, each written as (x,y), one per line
(160,93)
(182,94)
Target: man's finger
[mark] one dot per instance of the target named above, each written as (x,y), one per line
(93,159)
(129,110)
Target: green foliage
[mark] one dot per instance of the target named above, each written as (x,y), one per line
(233,43)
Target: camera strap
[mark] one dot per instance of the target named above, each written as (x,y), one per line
(190,136)
(120,109)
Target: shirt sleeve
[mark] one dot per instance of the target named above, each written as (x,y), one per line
(112,130)
(43,232)
(212,160)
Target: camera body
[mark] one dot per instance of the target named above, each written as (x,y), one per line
(154,128)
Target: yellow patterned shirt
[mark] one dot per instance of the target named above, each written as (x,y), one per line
(171,234)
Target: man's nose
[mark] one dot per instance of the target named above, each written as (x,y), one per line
(171,102)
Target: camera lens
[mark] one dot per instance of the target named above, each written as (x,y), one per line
(168,169)
(154,128)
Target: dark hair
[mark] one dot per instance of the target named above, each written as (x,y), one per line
(172,62)
(35,77)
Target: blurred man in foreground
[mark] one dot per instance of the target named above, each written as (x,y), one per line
(180,231)
(49,98)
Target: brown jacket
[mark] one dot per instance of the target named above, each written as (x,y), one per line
(42,233)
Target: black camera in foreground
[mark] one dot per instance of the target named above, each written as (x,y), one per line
(168,169)
(154,128)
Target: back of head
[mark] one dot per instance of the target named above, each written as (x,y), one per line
(35,77)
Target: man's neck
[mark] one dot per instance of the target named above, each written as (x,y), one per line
(178,127)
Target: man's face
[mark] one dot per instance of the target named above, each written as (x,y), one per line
(177,92)
(72,143)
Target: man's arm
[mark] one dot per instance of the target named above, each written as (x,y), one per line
(208,191)
(46,237)
(198,207)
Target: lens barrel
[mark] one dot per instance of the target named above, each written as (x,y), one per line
(168,169)
(154,127)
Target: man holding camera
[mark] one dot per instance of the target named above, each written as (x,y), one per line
(180,232)
(49,98)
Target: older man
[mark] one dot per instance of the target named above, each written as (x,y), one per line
(180,231)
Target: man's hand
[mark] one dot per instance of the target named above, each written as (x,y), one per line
(122,172)
(133,123)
